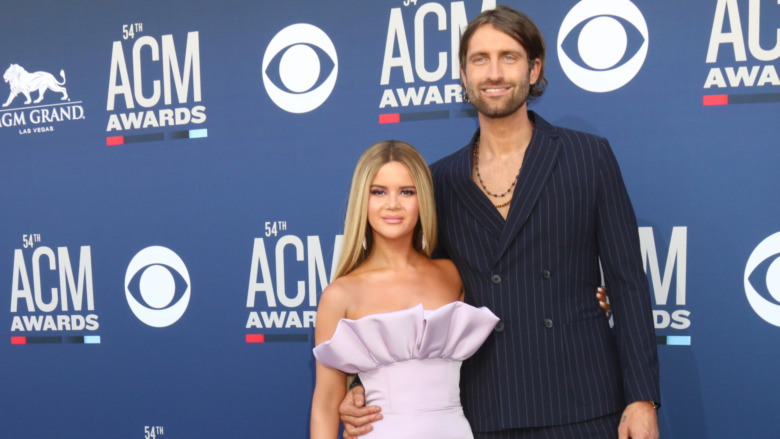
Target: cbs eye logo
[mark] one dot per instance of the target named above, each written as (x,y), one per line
(602,44)
(763,270)
(158,277)
(294,67)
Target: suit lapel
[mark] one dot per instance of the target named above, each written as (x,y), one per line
(477,204)
(538,163)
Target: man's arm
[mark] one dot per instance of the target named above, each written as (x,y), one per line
(618,242)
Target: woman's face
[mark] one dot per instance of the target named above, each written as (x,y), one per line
(393,209)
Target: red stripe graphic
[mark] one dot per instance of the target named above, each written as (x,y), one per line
(18,340)
(255,338)
(715,100)
(389,118)
(116,140)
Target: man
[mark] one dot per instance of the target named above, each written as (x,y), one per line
(526,212)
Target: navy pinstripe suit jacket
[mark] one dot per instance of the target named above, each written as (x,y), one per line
(552,360)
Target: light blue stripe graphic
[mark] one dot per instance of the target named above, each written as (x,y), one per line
(678,340)
(91,339)
(197,134)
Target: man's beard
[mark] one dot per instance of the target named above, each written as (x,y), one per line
(499,109)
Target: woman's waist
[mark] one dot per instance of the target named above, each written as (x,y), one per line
(414,385)
(447,423)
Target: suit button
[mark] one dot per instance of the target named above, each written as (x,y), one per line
(546,274)
(548,323)
(499,327)
(496,279)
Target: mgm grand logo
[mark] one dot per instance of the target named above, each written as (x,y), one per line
(37,116)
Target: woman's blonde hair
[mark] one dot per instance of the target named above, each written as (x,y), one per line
(356,227)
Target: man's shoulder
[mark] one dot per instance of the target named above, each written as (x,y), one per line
(582,139)
(446,164)
(568,136)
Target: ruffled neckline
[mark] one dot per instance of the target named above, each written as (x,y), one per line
(454,331)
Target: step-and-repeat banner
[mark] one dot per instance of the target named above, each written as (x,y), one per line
(175,177)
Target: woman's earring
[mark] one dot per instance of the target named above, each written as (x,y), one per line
(364,243)
(423,241)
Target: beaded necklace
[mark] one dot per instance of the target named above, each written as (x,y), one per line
(482,183)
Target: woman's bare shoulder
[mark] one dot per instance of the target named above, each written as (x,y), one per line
(446,269)
(449,277)
(334,299)
(446,265)
(346,289)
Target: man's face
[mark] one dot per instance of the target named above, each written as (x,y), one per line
(497,72)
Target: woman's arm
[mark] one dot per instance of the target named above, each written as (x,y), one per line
(328,392)
(331,384)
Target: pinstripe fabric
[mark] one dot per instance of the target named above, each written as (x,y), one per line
(555,361)
(604,427)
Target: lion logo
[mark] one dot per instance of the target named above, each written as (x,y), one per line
(21,81)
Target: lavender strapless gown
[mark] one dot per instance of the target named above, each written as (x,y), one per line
(409,362)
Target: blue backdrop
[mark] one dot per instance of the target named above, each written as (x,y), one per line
(175,180)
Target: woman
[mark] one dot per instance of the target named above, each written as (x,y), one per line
(393,314)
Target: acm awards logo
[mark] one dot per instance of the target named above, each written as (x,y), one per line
(157,286)
(602,33)
(52,294)
(300,67)
(762,279)
(286,278)
(743,45)
(154,85)
(40,110)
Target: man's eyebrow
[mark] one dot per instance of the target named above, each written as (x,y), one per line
(504,52)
